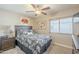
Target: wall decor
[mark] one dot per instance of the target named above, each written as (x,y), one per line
(24,21)
(42,26)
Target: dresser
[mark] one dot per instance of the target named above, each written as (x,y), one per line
(6,43)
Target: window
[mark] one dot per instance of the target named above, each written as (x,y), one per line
(54,26)
(62,26)
(76,20)
(66,25)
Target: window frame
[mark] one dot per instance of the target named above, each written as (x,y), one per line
(71,25)
(59,26)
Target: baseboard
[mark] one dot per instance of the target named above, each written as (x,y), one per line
(66,46)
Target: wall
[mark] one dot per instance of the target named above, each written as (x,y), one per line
(41,24)
(10,18)
(76,28)
(60,39)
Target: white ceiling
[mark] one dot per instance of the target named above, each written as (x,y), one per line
(21,8)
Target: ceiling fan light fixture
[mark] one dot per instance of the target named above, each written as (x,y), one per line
(38,12)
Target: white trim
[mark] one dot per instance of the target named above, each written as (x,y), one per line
(66,46)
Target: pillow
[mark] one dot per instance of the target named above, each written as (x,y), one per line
(23,32)
(30,33)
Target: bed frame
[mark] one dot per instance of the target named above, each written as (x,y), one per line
(25,49)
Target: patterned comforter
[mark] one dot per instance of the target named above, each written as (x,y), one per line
(33,41)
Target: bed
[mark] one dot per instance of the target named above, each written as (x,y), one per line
(30,42)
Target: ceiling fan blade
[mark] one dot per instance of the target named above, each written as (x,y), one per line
(33,6)
(46,8)
(44,13)
(37,6)
(29,11)
(36,15)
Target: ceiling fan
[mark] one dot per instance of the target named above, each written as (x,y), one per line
(38,10)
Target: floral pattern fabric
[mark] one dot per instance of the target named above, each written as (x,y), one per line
(33,41)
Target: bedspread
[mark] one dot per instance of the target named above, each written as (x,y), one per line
(33,41)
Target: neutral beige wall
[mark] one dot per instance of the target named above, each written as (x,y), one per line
(63,39)
(11,18)
(76,28)
(41,24)
(66,13)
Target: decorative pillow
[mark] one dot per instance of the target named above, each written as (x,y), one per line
(22,32)
(30,33)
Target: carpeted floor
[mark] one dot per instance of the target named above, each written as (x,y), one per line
(59,50)
(51,50)
(15,50)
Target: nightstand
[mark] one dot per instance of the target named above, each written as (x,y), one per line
(7,43)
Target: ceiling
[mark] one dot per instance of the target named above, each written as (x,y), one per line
(21,8)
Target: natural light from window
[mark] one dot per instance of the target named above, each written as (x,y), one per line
(61,26)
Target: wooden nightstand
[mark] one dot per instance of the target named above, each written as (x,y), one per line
(7,43)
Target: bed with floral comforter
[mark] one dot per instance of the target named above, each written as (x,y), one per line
(34,42)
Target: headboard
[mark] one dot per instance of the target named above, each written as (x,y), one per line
(22,27)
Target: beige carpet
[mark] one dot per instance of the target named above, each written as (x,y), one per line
(51,50)
(59,50)
(15,50)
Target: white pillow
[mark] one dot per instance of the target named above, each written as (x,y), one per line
(30,33)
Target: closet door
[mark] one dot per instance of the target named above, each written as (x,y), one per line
(0,43)
(75,35)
